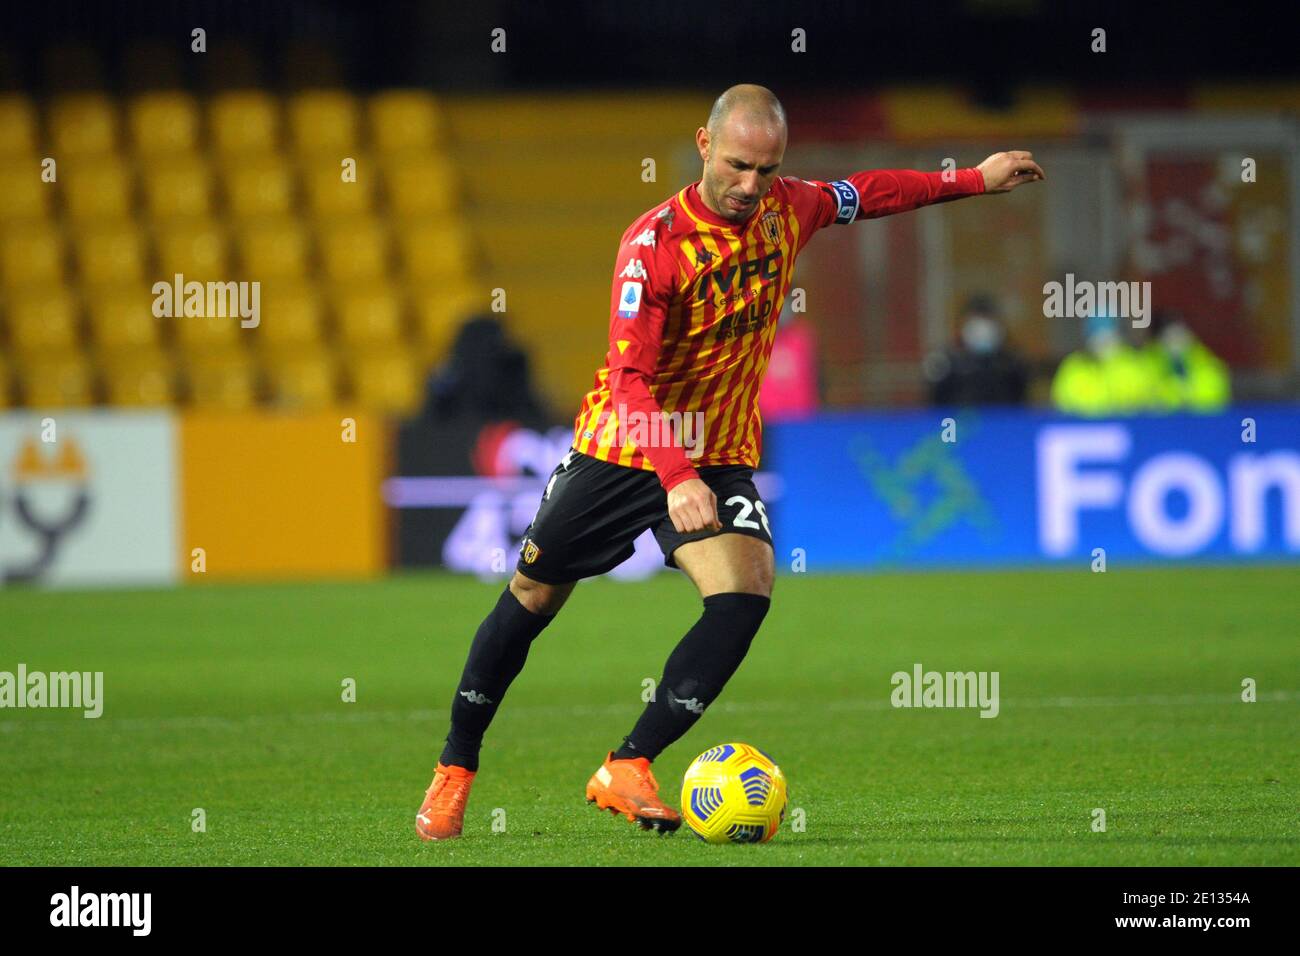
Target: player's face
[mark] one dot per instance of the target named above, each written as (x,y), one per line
(739,165)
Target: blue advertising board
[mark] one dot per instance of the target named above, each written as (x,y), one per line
(985,488)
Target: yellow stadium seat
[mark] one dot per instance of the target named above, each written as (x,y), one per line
(96,188)
(307,379)
(177,186)
(42,320)
(7,398)
(23,195)
(273,249)
(194,248)
(31,255)
(439,311)
(208,333)
(139,379)
(405,119)
(17,126)
(110,251)
(387,381)
(164,122)
(353,249)
(323,123)
(82,124)
(291,316)
(244,121)
(56,381)
(258,186)
(419,185)
(368,315)
(121,317)
(329,195)
(226,381)
(434,250)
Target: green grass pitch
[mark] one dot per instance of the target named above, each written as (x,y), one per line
(1119,691)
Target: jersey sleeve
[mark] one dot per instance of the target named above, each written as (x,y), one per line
(644,278)
(877,192)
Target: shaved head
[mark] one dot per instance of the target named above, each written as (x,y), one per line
(742,146)
(753,105)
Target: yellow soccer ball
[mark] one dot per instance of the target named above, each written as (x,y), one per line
(733,793)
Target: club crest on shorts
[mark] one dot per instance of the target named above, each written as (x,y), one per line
(531,551)
(770,225)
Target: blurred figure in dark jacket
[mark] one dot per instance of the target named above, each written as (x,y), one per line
(981,369)
(486,377)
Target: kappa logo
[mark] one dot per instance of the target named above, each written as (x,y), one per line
(646,238)
(666,214)
(635,269)
(474,697)
(703,257)
(694,704)
(531,550)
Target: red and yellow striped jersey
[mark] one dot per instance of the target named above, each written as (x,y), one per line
(693,315)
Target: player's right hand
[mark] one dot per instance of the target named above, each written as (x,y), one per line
(693,507)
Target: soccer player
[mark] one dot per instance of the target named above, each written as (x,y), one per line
(669,436)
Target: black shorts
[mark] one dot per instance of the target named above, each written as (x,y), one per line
(592,511)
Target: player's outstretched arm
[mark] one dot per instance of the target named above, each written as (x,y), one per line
(1003,172)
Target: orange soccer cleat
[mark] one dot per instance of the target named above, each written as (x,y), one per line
(628,787)
(442,815)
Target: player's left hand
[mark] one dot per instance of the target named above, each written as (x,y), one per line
(1003,172)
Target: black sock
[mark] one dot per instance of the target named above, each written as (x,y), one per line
(697,670)
(496,657)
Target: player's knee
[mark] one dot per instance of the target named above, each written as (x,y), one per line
(538,597)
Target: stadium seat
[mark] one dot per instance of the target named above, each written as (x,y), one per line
(121,317)
(439,310)
(56,381)
(260,185)
(7,396)
(110,251)
(177,186)
(419,185)
(17,126)
(31,255)
(83,124)
(386,381)
(303,380)
(225,381)
(291,316)
(405,120)
(353,250)
(164,123)
(434,250)
(244,121)
(273,249)
(368,316)
(42,320)
(328,194)
(208,333)
(139,379)
(323,123)
(96,188)
(194,248)
(23,195)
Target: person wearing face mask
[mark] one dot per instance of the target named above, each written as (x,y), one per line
(981,369)
(1187,375)
(1105,377)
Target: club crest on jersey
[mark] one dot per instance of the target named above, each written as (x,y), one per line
(629,300)
(846,201)
(531,551)
(770,226)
